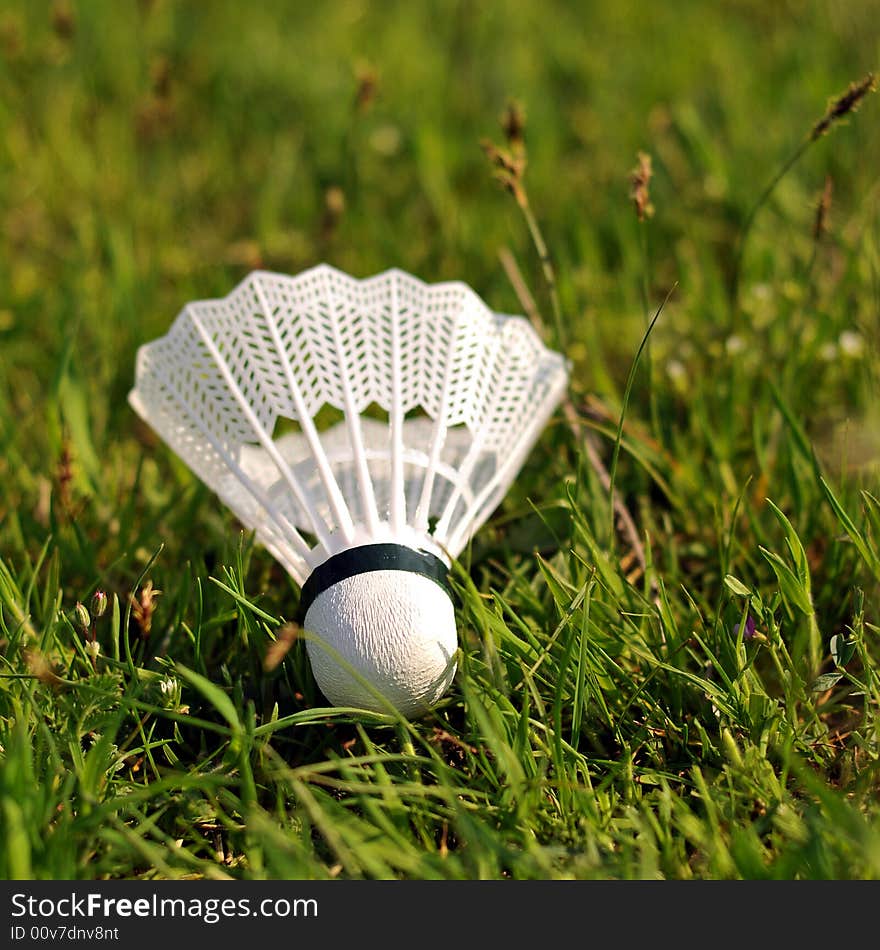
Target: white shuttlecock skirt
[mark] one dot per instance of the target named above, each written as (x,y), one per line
(331,414)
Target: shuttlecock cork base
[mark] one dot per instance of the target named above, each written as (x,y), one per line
(364,430)
(381,628)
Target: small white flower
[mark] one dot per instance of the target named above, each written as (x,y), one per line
(851,344)
(735,344)
(93,648)
(676,371)
(167,685)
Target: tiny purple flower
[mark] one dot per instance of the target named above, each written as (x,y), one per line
(99,604)
(749,631)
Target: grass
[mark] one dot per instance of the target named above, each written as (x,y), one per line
(709,713)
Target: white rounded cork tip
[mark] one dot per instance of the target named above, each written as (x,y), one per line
(388,632)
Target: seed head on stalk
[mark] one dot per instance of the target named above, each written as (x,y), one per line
(845,103)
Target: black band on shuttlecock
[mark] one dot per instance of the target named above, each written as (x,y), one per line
(371,557)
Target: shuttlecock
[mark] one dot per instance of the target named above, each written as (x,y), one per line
(364,429)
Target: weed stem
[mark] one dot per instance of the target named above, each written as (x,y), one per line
(547,268)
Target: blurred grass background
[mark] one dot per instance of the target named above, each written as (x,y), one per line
(154,152)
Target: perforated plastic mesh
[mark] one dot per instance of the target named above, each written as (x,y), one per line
(436,402)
